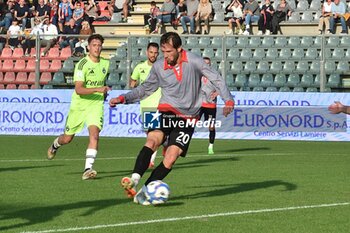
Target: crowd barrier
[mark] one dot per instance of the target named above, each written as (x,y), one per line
(268,116)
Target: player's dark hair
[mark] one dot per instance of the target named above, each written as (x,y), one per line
(153,3)
(206,58)
(171,37)
(152,44)
(96,37)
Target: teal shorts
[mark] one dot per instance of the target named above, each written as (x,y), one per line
(77,119)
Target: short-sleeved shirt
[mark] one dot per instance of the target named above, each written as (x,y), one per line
(78,12)
(43,9)
(21,10)
(65,9)
(93,75)
(140,74)
(14,31)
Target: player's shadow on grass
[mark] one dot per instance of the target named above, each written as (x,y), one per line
(15,169)
(106,174)
(219,151)
(203,162)
(36,215)
(179,165)
(244,149)
(222,190)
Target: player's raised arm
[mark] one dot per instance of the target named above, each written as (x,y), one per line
(140,92)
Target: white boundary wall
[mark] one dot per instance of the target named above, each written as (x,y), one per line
(43,112)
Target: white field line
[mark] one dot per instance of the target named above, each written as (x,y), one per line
(244,212)
(134,157)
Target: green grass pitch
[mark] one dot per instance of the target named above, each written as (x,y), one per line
(247,186)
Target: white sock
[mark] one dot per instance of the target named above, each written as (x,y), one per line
(153,157)
(56,144)
(247,27)
(211,146)
(90,158)
(136,178)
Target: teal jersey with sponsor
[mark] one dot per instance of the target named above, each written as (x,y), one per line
(93,75)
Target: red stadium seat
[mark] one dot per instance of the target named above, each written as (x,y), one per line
(21,78)
(23,86)
(31,78)
(66,53)
(1,77)
(17,53)
(53,53)
(56,65)
(33,51)
(7,65)
(2,86)
(103,5)
(33,87)
(6,53)
(105,13)
(30,65)
(10,77)
(45,78)
(44,65)
(20,65)
(11,86)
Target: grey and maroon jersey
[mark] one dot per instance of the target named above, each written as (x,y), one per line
(181,90)
(207,89)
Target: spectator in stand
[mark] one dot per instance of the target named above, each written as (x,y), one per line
(13,35)
(42,11)
(65,13)
(91,10)
(54,12)
(29,41)
(265,20)
(21,13)
(236,7)
(283,10)
(50,36)
(192,6)
(338,10)
(117,6)
(70,29)
(80,46)
(78,14)
(150,20)
(324,18)
(181,10)
(7,12)
(204,13)
(166,14)
(251,13)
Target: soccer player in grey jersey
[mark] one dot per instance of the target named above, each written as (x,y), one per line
(208,108)
(179,76)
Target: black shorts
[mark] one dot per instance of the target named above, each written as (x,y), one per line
(209,114)
(177,134)
(117,10)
